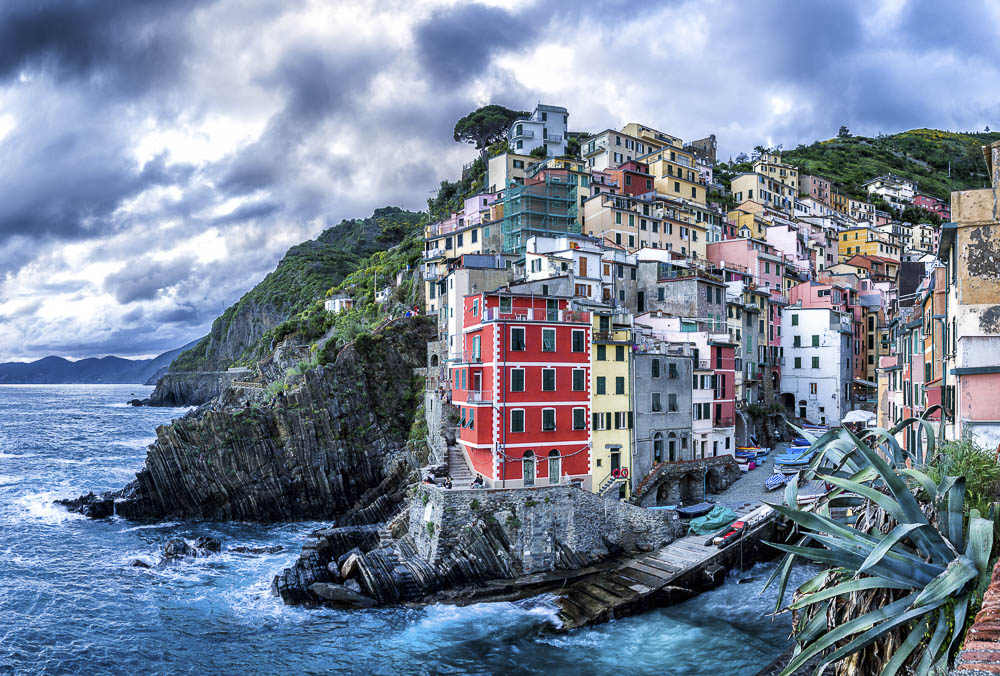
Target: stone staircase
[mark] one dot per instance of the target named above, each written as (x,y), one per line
(461,475)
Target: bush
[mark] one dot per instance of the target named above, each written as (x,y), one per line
(977,465)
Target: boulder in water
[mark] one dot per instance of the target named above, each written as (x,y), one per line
(177,548)
(244,549)
(139,563)
(350,568)
(340,595)
(207,544)
(90,505)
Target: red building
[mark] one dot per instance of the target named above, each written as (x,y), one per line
(723,356)
(522,388)
(633,178)
(933,205)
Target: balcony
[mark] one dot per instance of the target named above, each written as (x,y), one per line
(703,365)
(722,421)
(468,358)
(536,315)
(436,252)
(555,138)
(525,133)
(479,396)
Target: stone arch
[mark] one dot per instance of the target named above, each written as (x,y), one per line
(691,488)
(788,402)
(741,429)
(434,360)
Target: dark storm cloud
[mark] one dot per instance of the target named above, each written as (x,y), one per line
(457,43)
(145,278)
(132,45)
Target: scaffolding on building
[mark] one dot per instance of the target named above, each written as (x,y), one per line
(544,206)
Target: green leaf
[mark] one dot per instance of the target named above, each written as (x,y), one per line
(925,481)
(934,645)
(883,547)
(792,492)
(906,647)
(884,501)
(980,543)
(808,631)
(949,583)
(847,588)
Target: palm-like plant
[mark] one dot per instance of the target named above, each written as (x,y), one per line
(901,570)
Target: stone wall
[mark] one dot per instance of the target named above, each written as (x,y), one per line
(686,483)
(537,522)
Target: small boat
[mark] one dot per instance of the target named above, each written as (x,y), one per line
(734,533)
(693,511)
(800,441)
(776,480)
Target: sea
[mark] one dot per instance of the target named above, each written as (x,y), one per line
(71,603)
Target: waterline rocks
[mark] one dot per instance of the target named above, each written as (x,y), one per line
(457,542)
(336,448)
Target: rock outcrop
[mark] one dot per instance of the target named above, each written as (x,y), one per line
(448,543)
(334,448)
(186,389)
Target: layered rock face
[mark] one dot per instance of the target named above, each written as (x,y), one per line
(450,541)
(185,389)
(334,448)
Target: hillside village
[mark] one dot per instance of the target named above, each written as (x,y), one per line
(601,311)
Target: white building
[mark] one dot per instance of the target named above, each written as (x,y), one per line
(338,303)
(546,127)
(816,375)
(894,190)
(575,255)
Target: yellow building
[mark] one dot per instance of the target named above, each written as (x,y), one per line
(770,165)
(611,405)
(675,174)
(747,220)
(506,168)
(652,137)
(839,201)
(764,190)
(867,242)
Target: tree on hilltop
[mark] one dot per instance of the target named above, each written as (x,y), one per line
(486,126)
(844,132)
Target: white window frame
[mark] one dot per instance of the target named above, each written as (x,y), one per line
(554,425)
(524,332)
(545,332)
(544,371)
(573,380)
(523,420)
(523,380)
(583,417)
(572,344)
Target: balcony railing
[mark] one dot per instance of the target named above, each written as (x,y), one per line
(525,133)
(704,364)
(430,275)
(536,315)
(479,396)
(555,138)
(469,357)
(722,421)
(436,252)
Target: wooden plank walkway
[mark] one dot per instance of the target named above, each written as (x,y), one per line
(646,581)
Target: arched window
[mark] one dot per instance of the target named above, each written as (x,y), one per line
(528,467)
(657,448)
(555,466)
(434,360)
(672,446)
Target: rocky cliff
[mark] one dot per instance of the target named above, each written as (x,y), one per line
(335,447)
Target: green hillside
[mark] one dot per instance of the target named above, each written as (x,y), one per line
(921,155)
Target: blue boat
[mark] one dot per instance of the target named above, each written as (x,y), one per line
(776,480)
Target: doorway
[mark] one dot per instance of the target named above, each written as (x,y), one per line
(528,467)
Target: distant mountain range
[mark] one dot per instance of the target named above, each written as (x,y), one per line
(106,370)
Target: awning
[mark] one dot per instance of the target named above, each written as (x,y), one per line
(859,416)
(866,383)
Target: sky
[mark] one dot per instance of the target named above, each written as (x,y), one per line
(157,157)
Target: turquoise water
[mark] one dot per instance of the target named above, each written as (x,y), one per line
(70,602)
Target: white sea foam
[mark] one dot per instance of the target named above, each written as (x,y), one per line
(149,526)
(39,507)
(6,479)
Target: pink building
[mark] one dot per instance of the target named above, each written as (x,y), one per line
(933,205)
(815,187)
(762,260)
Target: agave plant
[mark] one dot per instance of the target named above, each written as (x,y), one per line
(900,571)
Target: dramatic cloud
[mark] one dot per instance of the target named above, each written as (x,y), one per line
(158,158)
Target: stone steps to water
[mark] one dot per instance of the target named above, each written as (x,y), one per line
(667,575)
(458,468)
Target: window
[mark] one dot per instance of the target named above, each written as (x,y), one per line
(517,420)
(505,304)
(548,420)
(601,385)
(579,380)
(655,405)
(620,385)
(579,418)
(815,362)
(517,343)
(659,293)
(672,402)
(619,353)
(812,390)
(795,320)
(672,370)
(477,352)
(578,340)
(796,340)
(654,368)
(548,340)
(548,380)
(517,380)
(602,353)
(798,362)
(815,341)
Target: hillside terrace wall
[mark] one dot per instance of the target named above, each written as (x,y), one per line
(538,523)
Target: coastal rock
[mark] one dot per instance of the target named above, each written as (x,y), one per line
(93,506)
(351,567)
(335,448)
(139,563)
(244,549)
(137,402)
(207,543)
(185,389)
(339,595)
(178,548)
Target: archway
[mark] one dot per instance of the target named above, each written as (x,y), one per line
(657,448)
(528,468)
(434,360)
(555,466)
(741,429)
(775,381)
(788,402)
(802,408)
(691,489)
